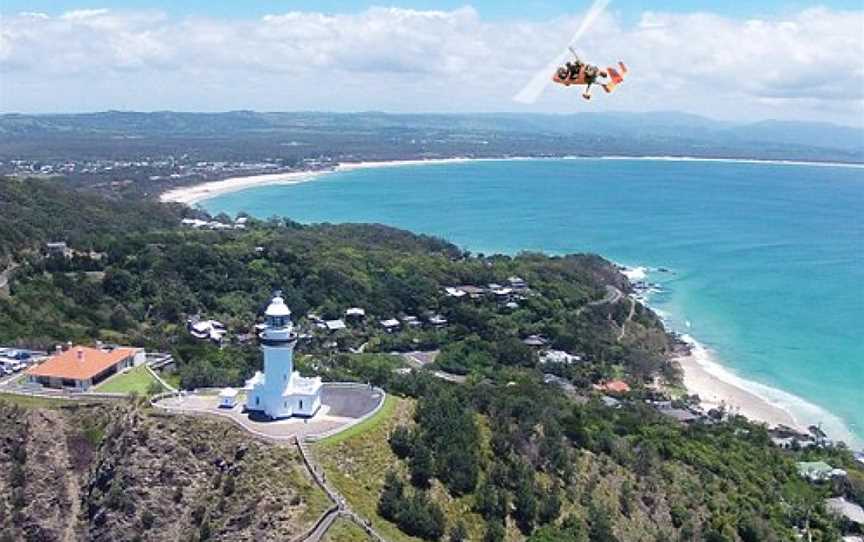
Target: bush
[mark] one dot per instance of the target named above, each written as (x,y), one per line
(402,442)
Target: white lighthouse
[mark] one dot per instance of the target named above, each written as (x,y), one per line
(280,391)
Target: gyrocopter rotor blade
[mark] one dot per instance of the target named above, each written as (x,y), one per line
(535,87)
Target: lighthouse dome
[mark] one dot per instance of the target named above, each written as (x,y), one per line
(277,307)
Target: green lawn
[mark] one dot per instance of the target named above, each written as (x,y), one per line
(136,380)
(173,379)
(382,415)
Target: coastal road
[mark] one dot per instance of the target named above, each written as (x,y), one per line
(613,295)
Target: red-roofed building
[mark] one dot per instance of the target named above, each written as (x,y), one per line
(613,386)
(80,367)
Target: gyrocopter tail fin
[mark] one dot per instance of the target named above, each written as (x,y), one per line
(615,77)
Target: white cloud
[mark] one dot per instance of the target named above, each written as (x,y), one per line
(807,65)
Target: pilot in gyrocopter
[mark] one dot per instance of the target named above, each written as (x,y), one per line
(581,73)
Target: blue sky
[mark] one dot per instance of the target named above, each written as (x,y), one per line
(741,61)
(493,9)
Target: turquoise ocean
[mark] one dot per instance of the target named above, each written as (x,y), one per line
(765,260)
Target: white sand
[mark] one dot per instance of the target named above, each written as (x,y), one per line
(197,193)
(200,192)
(716,388)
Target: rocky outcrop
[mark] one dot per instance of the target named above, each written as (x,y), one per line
(114,473)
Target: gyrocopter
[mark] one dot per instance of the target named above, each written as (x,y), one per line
(575,72)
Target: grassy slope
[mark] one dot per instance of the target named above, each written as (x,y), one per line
(357,461)
(345,531)
(135,380)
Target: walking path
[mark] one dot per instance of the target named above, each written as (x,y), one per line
(629,318)
(343,405)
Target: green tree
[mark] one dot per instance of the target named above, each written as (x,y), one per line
(458,533)
(390,502)
(422,466)
(601,525)
(494,531)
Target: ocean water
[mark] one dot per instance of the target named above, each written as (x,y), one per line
(765,261)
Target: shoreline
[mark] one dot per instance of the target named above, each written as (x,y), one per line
(715,384)
(719,386)
(203,191)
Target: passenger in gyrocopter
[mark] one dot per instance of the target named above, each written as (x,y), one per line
(581,73)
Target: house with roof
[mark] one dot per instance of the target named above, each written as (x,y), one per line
(613,386)
(474,292)
(411,321)
(437,321)
(454,292)
(390,325)
(517,283)
(80,367)
(58,248)
(335,325)
(355,312)
(536,341)
(819,471)
(213,330)
(559,356)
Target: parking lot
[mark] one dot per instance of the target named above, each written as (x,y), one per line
(14,360)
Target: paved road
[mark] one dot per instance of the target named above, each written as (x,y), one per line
(613,295)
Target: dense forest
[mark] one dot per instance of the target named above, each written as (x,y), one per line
(151,279)
(524,459)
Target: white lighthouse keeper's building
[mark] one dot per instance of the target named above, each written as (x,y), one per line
(280,391)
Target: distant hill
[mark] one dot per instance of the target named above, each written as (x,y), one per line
(482,134)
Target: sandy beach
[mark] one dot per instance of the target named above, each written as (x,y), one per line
(701,378)
(200,192)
